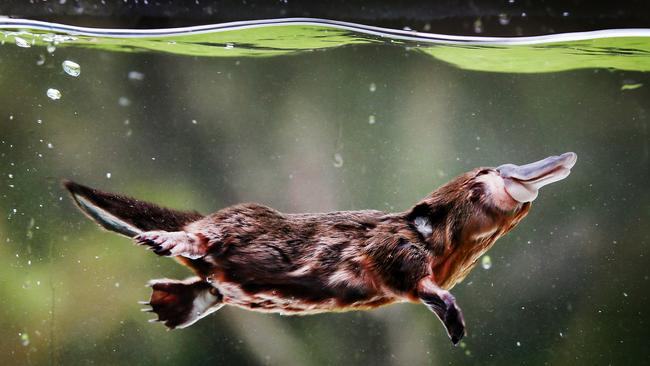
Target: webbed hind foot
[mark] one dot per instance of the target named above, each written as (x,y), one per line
(180,304)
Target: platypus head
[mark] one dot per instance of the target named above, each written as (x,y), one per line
(523,182)
(463,218)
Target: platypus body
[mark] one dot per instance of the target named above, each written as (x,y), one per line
(257,258)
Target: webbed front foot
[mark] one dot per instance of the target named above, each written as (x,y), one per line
(173,243)
(443,304)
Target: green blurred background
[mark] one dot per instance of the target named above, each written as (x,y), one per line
(361,126)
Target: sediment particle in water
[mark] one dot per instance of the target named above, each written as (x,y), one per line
(124,102)
(478,26)
(135,75)
(631,86)
(338,160)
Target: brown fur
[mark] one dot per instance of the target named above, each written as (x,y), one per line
(354,258)
(260,259)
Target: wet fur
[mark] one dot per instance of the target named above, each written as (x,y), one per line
(261,259)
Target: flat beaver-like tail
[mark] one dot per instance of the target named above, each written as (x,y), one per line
(125,215)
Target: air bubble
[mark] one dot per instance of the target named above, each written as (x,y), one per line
(486,262)
(53,94)
(21,42)
(372,87)
(372,119)
(504,19)
(24,339)
(71,68)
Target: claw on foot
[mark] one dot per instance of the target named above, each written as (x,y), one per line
(179,304)
(174,243)
(443,304)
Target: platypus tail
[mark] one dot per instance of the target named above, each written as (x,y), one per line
(126,215)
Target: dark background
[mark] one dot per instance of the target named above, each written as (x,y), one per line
(495,18)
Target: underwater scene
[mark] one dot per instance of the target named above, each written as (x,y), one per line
(309,116)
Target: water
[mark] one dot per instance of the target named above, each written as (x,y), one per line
(312,117)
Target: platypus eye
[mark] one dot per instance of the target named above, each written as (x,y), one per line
(476,191)
(483,171)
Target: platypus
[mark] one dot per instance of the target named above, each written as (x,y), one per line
(254,257)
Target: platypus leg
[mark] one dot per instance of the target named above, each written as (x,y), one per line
(174,243)
(180,304)
(443,304)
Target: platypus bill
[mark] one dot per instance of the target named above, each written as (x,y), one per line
(254,257)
